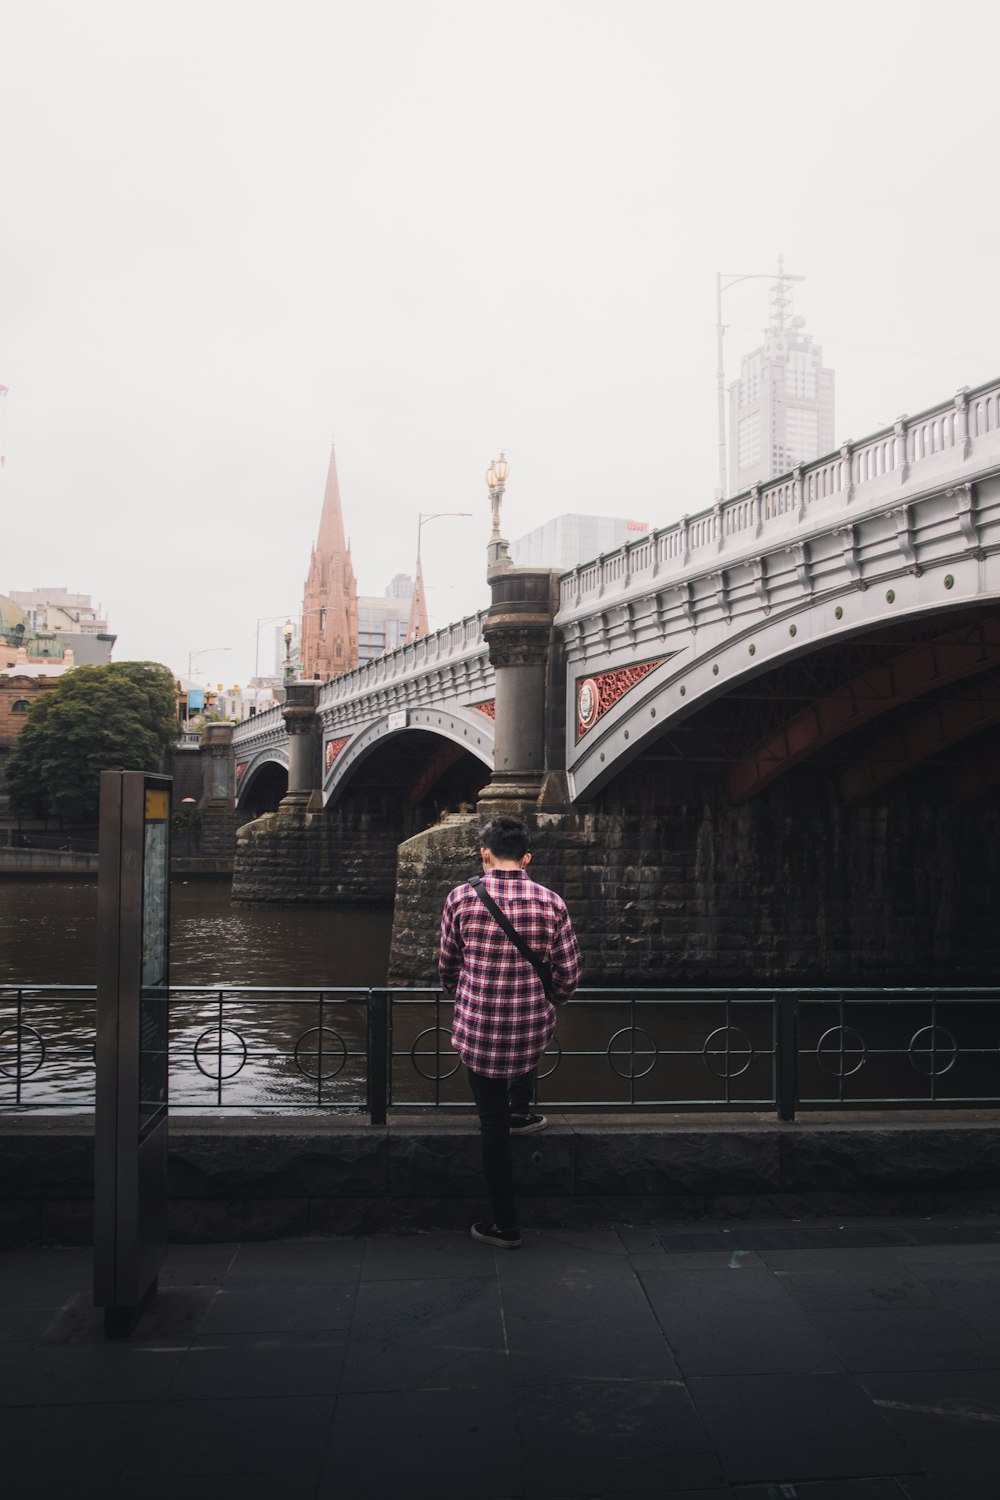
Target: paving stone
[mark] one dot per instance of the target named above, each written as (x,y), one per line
(846,1259)
(43,1277)
(739,1322)
(265,1308)
(426,1445)
(227,1437)
(80,1451)
(550,1350)
(197,1265)
(574,1291)
(824,1489)
(857,1289)
(905,1339)
(250,1364)
(399,1257)
(91,1373)
(409,1335)
(960,1406)
(313,1261)
(969,1291)
(295,1486)
(786,1429)
(622,1437)
(966,1471)
(173,1317)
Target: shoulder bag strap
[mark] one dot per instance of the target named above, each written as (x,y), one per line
(541,968)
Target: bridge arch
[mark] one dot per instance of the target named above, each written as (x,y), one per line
(720,658)
(262,780)
(466,731)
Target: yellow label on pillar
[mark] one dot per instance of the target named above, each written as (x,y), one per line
(157,806)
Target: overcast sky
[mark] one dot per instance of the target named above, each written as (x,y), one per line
(231,231)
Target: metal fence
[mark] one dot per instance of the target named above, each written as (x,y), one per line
(367,1051)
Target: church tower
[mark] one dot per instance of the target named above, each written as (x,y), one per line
(330,602)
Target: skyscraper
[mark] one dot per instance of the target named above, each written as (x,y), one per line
(330,601)
(781,408)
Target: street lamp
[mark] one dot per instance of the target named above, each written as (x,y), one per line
(734,277)
(288,632)
(496,478)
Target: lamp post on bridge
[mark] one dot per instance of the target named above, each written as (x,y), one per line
(734,277)
(496,480)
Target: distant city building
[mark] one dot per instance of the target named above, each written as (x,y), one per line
(571,539)
(330,600)
(20,646)
(62,621)
(781,408)
(383,619)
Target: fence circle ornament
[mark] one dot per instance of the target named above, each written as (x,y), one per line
(632,1052)
(554,1058)
(417,1056)
(587,703)
(31,1057)
(737,1045)
(928,1056)
(211,1045)
(836,1046)
(333,1057)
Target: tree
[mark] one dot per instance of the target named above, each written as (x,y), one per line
(118,717)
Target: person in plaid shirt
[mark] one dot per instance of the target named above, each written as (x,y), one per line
(503,1020)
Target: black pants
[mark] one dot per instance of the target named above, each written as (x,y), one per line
(496,1099)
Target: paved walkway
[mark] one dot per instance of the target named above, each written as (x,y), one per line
(748,1362)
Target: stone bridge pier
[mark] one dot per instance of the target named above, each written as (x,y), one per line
(408,816)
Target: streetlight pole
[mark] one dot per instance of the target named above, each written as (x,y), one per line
(734,277)
(496,480)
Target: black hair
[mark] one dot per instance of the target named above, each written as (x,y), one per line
(505,837)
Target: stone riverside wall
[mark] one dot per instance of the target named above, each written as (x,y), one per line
(260,1179)
(345,858)
(668,883)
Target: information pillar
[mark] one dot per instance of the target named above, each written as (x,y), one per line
(130,1127)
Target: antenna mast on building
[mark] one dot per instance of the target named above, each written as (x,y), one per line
(781,297)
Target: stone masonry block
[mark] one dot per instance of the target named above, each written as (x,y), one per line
(627,1160)
(332,1159)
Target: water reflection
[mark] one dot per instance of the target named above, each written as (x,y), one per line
(50,937)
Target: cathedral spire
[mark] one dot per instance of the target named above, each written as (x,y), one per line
(330,600)
(416,625)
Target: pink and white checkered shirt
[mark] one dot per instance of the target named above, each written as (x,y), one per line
(503,1022)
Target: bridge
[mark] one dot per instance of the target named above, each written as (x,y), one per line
(830,639)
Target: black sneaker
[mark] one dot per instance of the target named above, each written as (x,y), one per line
(504,1239)
(527,1124)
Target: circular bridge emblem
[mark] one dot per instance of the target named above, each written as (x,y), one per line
(588,701)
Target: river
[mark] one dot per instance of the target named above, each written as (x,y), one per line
(270,1049)
(48,935)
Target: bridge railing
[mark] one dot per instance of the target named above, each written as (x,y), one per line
(447,644)
(361,1050)
(954,426)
